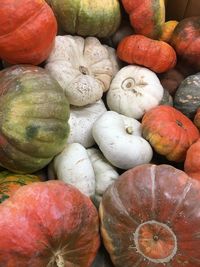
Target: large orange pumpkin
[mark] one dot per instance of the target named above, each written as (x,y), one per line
(48,224)
(150,218)
(27,31)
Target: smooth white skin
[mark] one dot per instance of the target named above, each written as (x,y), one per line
(122,149)
(72,54)
(105,173)
(81,121)
(74,167)
(133,91)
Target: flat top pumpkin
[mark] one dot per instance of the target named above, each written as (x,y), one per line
(150,217)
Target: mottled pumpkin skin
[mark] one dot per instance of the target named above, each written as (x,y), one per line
(141,50)
(34,118)
(27,32)
(11,182)
(146,17)
(48,224)
(87,18)
(169,132)
(150,217)
(186,41)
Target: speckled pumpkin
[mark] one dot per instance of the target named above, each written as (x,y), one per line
(34,118)
(99,18)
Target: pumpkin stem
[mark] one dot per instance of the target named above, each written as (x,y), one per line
(59,261)
(83,70)
(129,130)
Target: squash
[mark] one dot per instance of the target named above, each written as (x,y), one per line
(187,96)
(155,55)
(27,32)
(167,30)
(169,132)
(146,17)
(55,225)
(150,217)
(11,182)
(186,41)
(87,18)
(83,67)
(166,99)
(34,114)
(119,139)
(133,91)
(197,119)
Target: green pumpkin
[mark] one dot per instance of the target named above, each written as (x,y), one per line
(34,113)
(99,18)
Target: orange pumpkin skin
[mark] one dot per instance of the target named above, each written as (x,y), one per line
(169,131)
(186,41)
(150,218)
(27,32)
(48,224)
(155,55)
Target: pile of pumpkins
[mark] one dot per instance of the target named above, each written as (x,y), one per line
(99,134)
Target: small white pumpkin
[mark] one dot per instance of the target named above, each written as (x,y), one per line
(74,167)
(105,173)
(81,121)
(83,68)
(120,139)
(133,91)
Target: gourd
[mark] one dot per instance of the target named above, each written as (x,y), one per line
(27,32)
(119,139)
(169,132)
(55,225)
(197,118)
(34,114)
(133,91)
(150,217)
(167,30)
(141,50)
(83,67)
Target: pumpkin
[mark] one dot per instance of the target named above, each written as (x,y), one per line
(192,161)
(27,32)
(167,30)
(83,68)
(169,132)
(186,41)
(119,139)
(166,99)
(187,96)
(141,50)
(55,225)
(150,217)
(133,91)
(197,118)
(34,113)
(11,182)
(87,18)
(146,17)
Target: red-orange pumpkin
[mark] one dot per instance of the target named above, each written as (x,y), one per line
(155,55)
(150,218)
(27,31)
(169,131)
(48,224)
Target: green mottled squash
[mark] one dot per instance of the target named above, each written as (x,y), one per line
(34,114)
(99,18)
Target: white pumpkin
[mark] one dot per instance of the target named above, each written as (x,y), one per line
(120,139)
(105,173)
(83,68)
(74,167)
(133,91)
(81,121)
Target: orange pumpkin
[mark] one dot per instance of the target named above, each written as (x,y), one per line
(27,31)
(169,131)
(192,161)
(155,55)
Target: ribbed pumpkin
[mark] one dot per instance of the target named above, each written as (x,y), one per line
(146,17)
(33,123)
(155,55)
(27,32)
(150,218)
(169,132)
(11,182)
(99,18)
(186,40)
